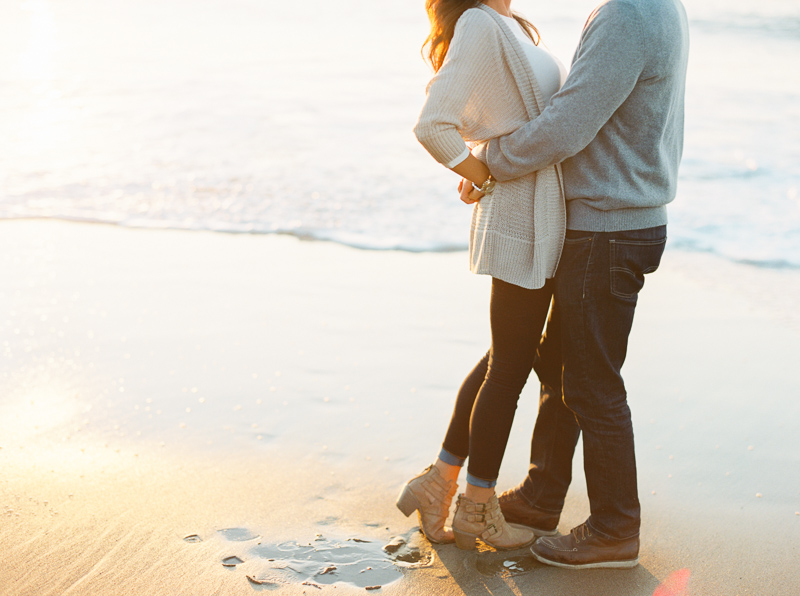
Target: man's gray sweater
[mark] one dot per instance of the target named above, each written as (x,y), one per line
(616,124)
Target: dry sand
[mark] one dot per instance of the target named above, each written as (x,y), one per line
(169,400)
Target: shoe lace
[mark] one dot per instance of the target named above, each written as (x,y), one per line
(581,533)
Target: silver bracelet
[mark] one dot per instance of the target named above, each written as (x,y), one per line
(487,187)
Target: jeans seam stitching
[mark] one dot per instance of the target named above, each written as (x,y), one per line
(588,266)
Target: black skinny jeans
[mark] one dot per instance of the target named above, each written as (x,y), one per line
(487,400)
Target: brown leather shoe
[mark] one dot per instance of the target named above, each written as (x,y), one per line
(430,496)
(517,510)
(583,549)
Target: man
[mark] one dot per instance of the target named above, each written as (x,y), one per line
(617,125)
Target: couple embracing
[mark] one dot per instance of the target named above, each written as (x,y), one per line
(570,176)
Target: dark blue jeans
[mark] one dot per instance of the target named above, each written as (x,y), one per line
(578,363)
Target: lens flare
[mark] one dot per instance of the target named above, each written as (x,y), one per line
(677,584)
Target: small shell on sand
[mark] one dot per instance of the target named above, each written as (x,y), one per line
(231,561)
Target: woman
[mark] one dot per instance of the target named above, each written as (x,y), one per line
(491,77)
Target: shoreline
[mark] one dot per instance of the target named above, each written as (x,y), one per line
(181,383)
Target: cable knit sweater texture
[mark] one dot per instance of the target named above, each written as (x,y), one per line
(484,89)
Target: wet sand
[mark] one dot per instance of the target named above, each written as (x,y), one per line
(194,413)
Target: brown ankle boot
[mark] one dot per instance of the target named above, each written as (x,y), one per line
(485,521)
(430,495)
(517,510)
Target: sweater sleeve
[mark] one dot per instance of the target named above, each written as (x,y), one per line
(607,64)
(456,88)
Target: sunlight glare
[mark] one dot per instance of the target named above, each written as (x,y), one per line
(36,62)
(39,411)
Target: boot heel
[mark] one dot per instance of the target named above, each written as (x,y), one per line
(464,541)
(407,503)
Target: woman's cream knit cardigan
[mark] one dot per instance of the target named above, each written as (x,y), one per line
(485,89)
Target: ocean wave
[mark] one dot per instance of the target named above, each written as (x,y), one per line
(698,169)
(773,262)
(682,240)
(787,26)
(345,238)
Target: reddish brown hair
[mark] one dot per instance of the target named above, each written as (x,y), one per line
(443,15)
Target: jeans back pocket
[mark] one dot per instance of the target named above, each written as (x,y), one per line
(631,260)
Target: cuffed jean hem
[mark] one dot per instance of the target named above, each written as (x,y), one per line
(481,482)
(451,459)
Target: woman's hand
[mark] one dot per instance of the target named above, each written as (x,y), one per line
(469,194)
(471,169)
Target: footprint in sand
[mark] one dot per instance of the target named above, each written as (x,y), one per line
(407,555)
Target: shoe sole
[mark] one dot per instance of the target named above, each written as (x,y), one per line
(599,565)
